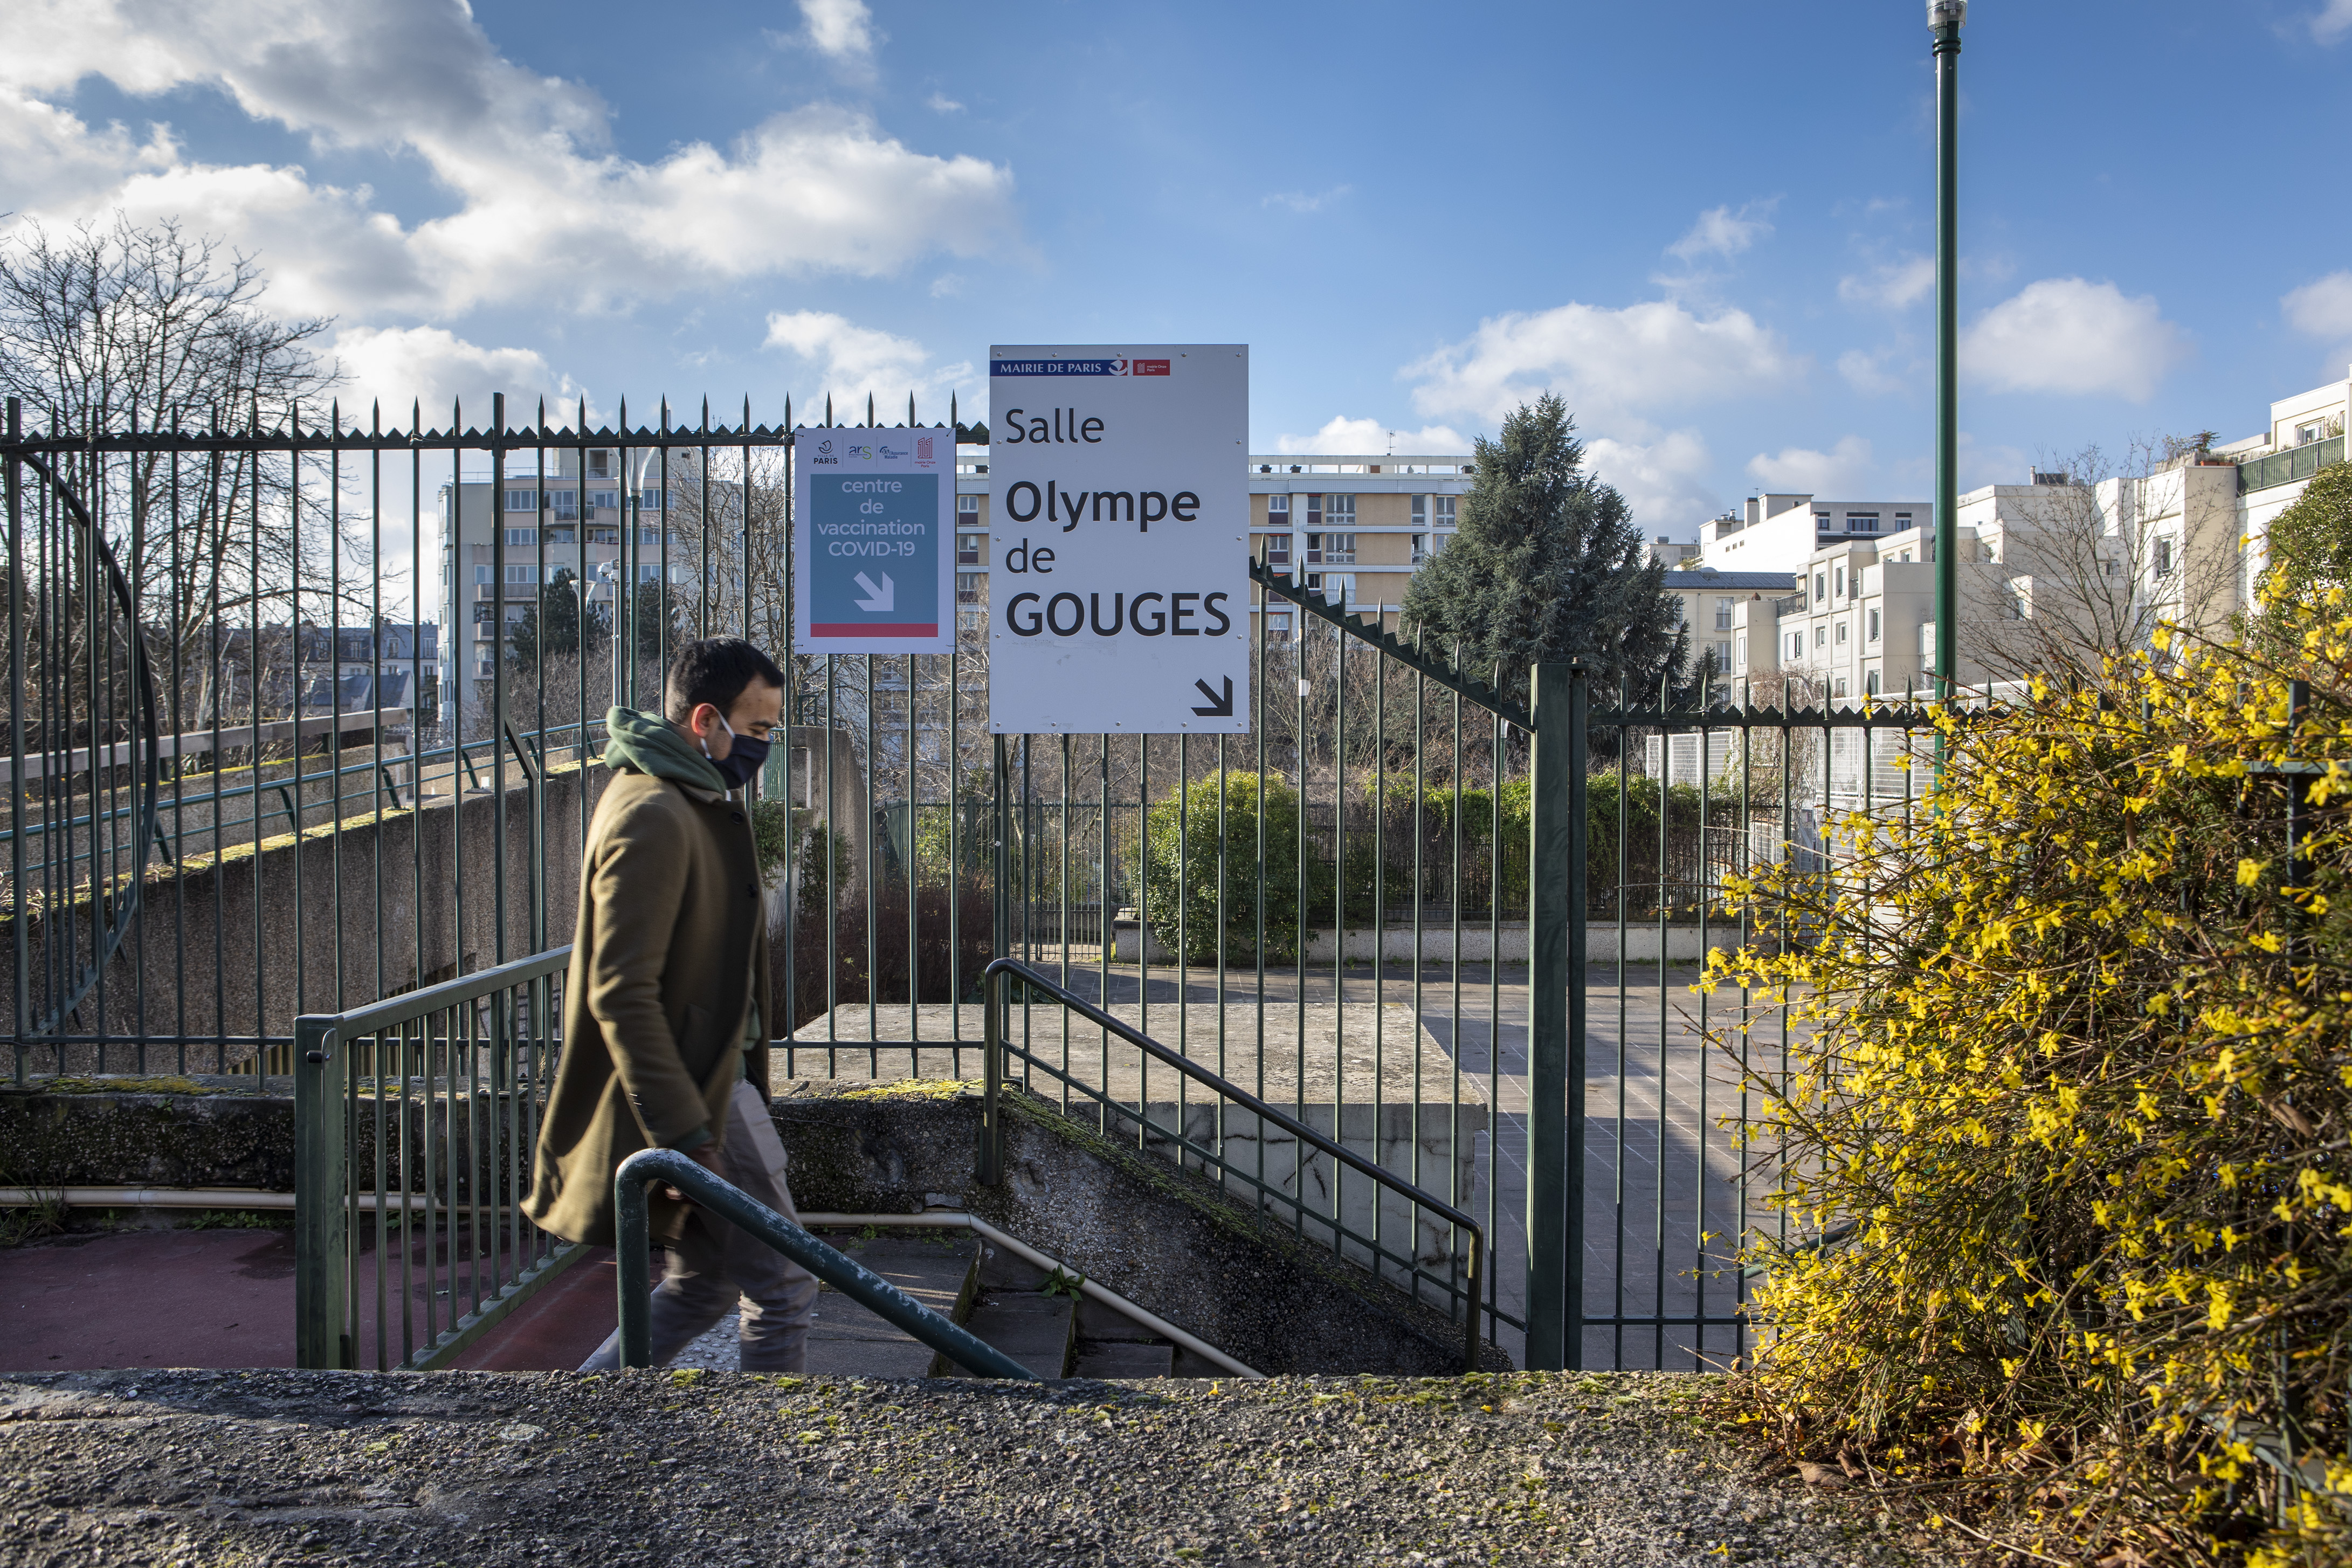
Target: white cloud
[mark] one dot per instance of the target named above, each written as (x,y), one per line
(2322,306)
(2069,335)
(852,361)
(1865,373)
(1663,481)
(1892,286)
(1800,471)
(1605,362)
(543,208)
(940,103)
(1723,232)
(1300,202)
(1342,436)
(429,366)
(840,29)
(946,285)
(2334,20)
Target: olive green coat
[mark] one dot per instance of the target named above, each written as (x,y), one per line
(670,952)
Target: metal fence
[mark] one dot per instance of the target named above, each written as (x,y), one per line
(1453,931)
(414,1122)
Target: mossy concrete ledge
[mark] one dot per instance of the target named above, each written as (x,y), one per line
(1165,1238)
(147,1130)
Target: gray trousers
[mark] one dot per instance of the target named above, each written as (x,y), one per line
(714,1264)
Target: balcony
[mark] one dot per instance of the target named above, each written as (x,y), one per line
(2294,463)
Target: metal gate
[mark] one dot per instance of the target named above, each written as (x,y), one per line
(252,779)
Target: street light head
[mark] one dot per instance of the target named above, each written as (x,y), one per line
(1942,13)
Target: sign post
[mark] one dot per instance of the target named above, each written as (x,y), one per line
(1119,539)
(872,520)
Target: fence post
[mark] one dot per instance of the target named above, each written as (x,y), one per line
(1555,1006)
(319,1200)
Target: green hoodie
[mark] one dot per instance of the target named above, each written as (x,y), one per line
(648,743)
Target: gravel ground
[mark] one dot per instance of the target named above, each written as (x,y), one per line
(484,1469)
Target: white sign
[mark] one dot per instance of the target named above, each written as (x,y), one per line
(1119,537)
(873,526)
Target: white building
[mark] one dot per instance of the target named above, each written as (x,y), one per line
(1781,532)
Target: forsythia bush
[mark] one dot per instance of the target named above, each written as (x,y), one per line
(2062,1143)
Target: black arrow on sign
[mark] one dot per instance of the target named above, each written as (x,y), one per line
(1219,706)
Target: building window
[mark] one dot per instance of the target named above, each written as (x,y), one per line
(1840,583)
(1722,613)
(1277,549)
(1839,690)
(1862,522)
(600,465)
(968,549)
(1339,511)
(2164,557)
(1277,626)
(1820,636)
(1873,625)
(601,536)
(521,574)
(1902,521)
(1841,631)
(1277,511)
(1739,650)
(605,500)
(1421,551)
(1870,683)
(482,574)
(1314,511)
(1821,586)
(1823,523)
(1339,550)
(1796,644)
(523,500)
(652,500)
(967,507)
(1421,511)
(564,503)
(1445,517)
(968,586)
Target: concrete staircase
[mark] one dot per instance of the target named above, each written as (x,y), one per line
(1038,1320)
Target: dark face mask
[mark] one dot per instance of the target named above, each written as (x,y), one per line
(742,760)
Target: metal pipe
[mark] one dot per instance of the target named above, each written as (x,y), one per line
(1945,18)
(844,1274)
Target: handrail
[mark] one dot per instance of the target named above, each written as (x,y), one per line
(992,1129)
(755,1219)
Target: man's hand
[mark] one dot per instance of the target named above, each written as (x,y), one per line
(705,1154)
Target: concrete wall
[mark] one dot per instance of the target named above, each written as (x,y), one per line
(242,944)
(1164,1237)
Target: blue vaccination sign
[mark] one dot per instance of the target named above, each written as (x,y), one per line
(872,520)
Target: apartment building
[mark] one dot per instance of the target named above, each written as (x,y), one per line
(1778,532)
(1354,526)
(581,519)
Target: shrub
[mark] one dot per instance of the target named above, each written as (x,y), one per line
(1187,838)
(2071,1083)
(877,963)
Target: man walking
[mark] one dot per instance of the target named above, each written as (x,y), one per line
(666,1008)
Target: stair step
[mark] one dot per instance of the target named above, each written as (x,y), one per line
(1124,1359)
(1037,1331)
(848,1341)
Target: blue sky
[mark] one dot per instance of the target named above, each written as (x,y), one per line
(1704,224)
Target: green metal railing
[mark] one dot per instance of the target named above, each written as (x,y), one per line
(414,1122)
(1464,1292)
(756,1219)
(2285,467)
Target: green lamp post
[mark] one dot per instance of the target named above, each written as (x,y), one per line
(1945,19)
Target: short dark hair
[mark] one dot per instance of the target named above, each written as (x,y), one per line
(715,670)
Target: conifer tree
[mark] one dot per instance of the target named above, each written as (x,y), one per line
(1547,566)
